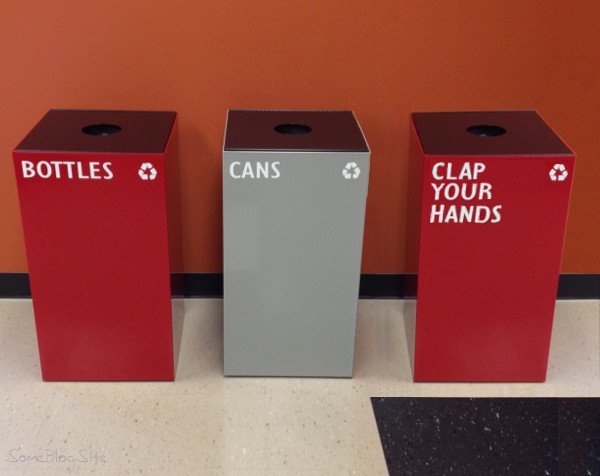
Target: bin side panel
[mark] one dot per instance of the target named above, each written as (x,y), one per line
(174,211)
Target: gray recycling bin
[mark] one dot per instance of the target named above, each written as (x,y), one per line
(294,195)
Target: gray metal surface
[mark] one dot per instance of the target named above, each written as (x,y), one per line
(292,256)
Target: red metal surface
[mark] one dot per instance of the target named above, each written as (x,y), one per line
(98,257)
(487,285)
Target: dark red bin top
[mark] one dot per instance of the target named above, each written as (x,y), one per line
(62,130)
(294,131)
(526,133)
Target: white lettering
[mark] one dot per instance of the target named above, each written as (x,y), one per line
(106,166)
(59,170)
(465,172)
(80,173)
(478,168)
(256,170)
(248,172)
(56,169)
(69,169)
(466,214)
(485,191)
(275,169)
(232,170)
(496,212)
(465,191)
(437,190)
(451,191)
(468,171)
(452,215)
(449,175)
(460,190)
(468,196)
(262,170)
(94,170)
(44,169)
(27,167)
(434,171)
(482,214)
(436,214)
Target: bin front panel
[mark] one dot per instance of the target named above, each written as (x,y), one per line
(96,235)
(292,254)
(491,237)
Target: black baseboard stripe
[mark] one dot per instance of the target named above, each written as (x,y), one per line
(372,286)
(203,285)
(14,285)
(579,286)
(401,286)
(382,286)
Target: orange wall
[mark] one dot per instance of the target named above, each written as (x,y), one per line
(382,59)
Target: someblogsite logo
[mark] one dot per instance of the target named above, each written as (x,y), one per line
(53,457)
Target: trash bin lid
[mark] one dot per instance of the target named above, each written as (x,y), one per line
(294,131)
(487,133)
(65,130)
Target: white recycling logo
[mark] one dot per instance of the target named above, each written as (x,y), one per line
(147,171)
(351,171)
(558,173)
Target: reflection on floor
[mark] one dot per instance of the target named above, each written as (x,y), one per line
(206,424)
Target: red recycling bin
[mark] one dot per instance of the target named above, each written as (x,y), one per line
(494,202)
(93,195)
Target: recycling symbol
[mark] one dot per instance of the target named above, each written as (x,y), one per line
(558,173)
(351,171)
(147,171)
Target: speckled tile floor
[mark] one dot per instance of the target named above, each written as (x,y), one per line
(204,424)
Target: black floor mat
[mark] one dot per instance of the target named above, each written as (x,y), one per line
(490,436)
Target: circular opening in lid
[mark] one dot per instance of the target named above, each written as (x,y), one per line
(292,129)
(484,130)
(101,129)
